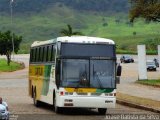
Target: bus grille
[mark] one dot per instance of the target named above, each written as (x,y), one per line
(82,93)
(96,94)
(2,111)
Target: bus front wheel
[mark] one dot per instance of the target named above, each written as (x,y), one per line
(102,111)
(56,108)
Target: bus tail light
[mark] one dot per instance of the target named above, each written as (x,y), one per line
(61,93)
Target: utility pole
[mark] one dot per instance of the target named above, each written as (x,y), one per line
(11,8)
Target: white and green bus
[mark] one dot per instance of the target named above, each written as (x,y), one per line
(76,71)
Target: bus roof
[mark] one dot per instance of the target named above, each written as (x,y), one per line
(74,39)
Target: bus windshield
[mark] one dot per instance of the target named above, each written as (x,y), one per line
(88,73)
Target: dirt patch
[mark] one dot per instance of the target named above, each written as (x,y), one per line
(19,101)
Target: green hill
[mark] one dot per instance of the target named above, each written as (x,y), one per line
(44,19)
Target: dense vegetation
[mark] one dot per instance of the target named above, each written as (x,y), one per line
(44,19)
(7,39)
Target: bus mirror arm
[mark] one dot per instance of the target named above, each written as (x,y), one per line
(117,80)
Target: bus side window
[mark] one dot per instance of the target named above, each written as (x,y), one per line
(35,55)
(41,58)
(39,54)
(53,52)
(47,51)
(43,54)
(31,55)
(50,53)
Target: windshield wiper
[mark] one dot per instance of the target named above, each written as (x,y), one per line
(97,77)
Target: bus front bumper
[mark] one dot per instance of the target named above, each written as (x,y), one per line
(86,102)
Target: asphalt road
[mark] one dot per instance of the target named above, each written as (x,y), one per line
(13,89)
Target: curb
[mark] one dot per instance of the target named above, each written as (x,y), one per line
(126,103)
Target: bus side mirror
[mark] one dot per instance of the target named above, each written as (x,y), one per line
(57,73)
(119,70)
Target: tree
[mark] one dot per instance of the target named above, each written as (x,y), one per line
(69,31)
(148,9)
(6,47)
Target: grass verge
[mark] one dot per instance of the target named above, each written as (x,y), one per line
(13,66)
(139,100)
(154,83)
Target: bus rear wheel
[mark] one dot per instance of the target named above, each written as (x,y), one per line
(35,101)
(102,111)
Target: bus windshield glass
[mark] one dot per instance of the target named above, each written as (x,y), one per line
(87,73)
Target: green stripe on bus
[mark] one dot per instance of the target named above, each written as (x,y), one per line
(105,90)
(46,80)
